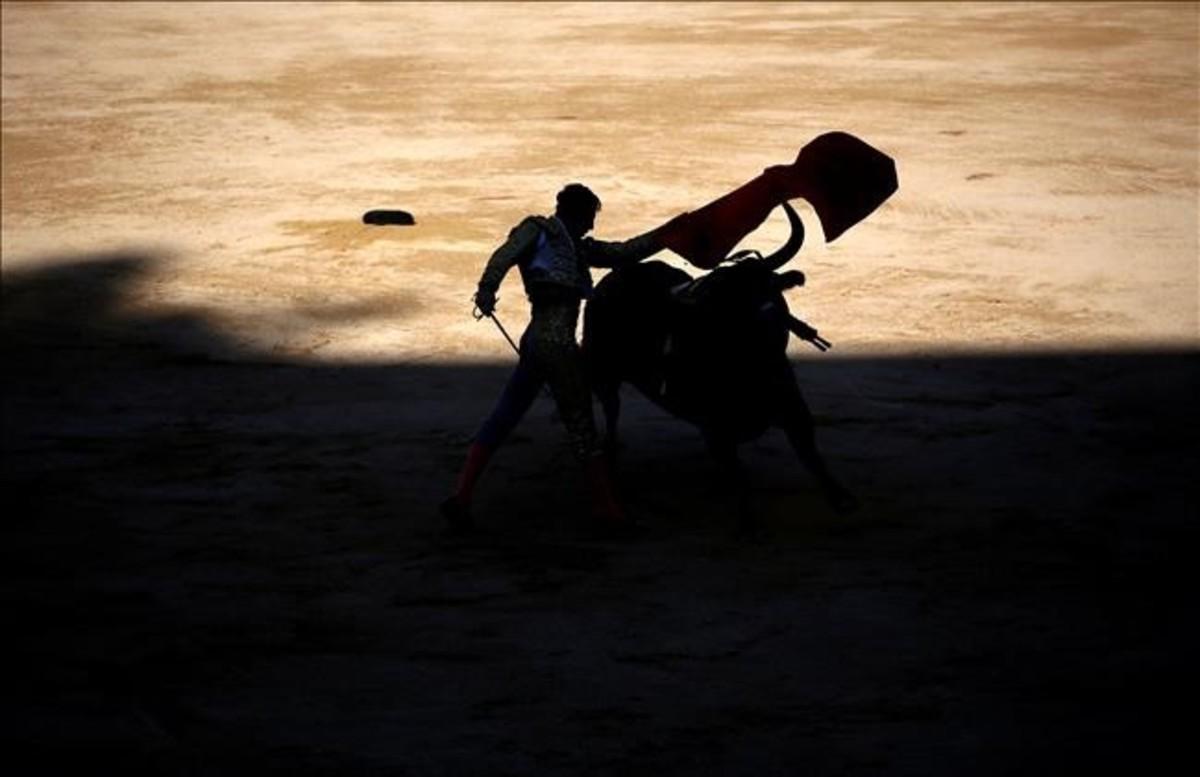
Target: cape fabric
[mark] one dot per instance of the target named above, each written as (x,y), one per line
(843,178)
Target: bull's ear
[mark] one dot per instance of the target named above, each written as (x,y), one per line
(789,280)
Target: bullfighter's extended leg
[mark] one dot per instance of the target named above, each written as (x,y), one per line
(519,393)
(561,362)
(518,396)
(557,357)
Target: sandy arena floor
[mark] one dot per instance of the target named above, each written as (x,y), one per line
(230,408)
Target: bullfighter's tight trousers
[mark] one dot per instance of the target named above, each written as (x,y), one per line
(549,355)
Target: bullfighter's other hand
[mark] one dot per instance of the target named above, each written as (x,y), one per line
(485,301)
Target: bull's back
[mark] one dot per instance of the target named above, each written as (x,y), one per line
(645,285)
(627,318)
(630,301)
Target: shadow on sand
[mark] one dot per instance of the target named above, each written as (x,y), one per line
(227,564)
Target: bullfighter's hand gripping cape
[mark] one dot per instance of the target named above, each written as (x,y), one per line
(843,178)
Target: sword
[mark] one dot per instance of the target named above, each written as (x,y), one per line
(478,314)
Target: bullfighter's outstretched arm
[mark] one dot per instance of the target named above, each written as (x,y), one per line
(603,253)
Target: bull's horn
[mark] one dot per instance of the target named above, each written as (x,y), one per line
(794,241)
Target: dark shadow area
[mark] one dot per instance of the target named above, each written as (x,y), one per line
(218,563)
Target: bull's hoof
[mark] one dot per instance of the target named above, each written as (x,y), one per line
(844,502)
(457,515)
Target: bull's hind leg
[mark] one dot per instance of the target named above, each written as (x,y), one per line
(797,422)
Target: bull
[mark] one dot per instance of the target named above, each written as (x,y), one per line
(711,351)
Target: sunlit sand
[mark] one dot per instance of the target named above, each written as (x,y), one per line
(1047,157)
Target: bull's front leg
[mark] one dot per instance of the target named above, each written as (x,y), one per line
(734,481)
(797,423)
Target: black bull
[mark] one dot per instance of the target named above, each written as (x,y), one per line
(713,353)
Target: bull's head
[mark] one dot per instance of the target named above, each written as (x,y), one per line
(793,278)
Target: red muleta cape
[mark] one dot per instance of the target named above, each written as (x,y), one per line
(843,178)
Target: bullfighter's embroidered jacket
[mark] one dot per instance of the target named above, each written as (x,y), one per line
(543,250)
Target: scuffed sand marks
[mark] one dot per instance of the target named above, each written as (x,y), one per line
(338,237)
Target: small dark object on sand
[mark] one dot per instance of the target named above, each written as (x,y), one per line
(401,217)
